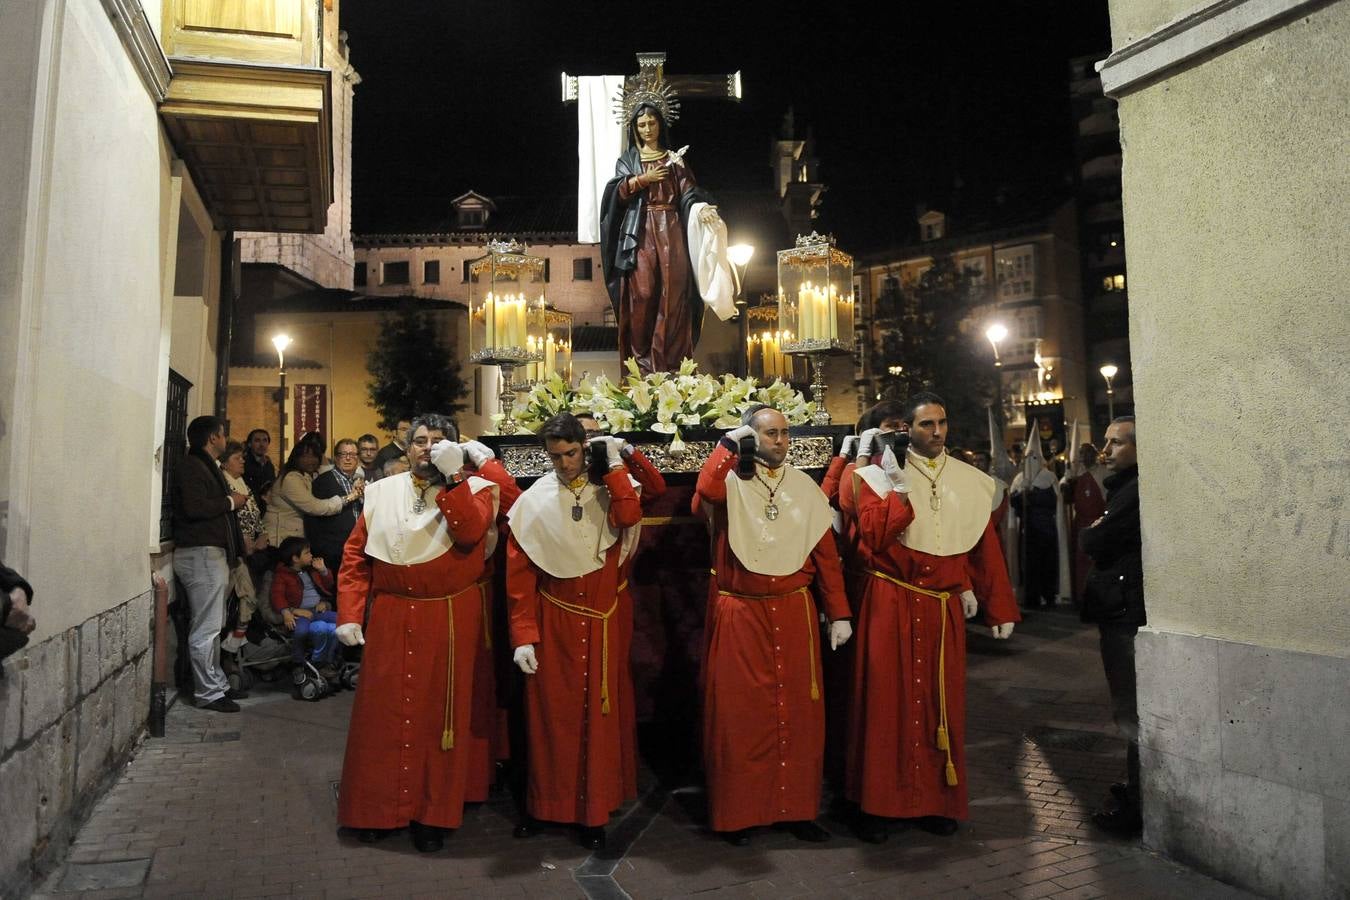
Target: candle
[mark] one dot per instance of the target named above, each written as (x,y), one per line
(804,311)
(550,357)
(489,321)
(520,319)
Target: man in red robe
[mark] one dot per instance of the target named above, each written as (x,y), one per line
(572,534)
(763,715)
(420,742)
(927,534)
(651,487)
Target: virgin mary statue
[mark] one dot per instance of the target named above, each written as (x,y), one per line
(650,212)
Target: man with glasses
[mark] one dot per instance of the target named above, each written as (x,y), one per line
(327,534)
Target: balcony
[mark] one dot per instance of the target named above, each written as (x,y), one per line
(248,109)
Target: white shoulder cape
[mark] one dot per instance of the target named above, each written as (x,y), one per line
(967,501)
(541,522)
(395,534)
(780,546)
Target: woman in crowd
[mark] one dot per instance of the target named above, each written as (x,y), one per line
(293,495)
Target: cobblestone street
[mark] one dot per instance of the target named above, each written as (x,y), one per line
(244,806)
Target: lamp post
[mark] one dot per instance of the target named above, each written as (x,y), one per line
(739,255)
(281,342)
(996,333)
(1108,372)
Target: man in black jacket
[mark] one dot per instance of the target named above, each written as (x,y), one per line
(16,622)
(207,542)
(1114,599)
(328,534)
(259,471)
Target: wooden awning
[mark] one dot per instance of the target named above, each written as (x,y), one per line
(258,140)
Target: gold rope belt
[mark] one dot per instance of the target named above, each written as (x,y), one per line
(448,725)
(811,648)
(587,612)
(943,739)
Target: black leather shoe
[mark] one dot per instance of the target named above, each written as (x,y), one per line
(222,704)
(806,831)
(593,838)
(870,829)
(236,694)
(736,838)
(370,835)
(427,838)
(939,825)
(1124,821)
(528,828)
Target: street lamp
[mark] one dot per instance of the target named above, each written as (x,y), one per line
(996,333)
(1108,372)
(281,342)
(739,255)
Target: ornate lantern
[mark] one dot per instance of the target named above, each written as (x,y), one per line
(555,351)
(815,307)
(506,322)
(764,355)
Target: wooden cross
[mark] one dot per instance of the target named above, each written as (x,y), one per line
(652,66)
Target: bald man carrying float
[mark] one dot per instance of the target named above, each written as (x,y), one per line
(763,710)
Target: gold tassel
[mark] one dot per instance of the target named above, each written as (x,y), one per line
(448,739)
(942,742)
(951,775)
(815,691)
(604,705)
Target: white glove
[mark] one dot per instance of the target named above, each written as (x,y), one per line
(865,442)
(840,632)
(477,452)
(1002,632)
(742,431)
(448,457)
(613,448)
(524,658)
(628,450)
(350,634)
(893,471)
(969,606)
(850,447)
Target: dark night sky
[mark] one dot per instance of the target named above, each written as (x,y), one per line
(905,98)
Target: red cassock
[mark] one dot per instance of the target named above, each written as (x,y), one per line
(583,759)
(895,765)
(763,709)
(1089,503)
(653,486)
(398,767)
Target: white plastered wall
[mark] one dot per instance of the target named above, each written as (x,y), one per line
(85,244)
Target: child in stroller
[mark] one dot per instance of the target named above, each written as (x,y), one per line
(302,591)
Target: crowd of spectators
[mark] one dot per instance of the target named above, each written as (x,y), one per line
(241,527)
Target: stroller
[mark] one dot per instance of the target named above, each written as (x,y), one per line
(268,653)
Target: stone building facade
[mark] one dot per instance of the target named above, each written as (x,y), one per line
(1233,122)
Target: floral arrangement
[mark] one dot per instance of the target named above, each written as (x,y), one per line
(662,402)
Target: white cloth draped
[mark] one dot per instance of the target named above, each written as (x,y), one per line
(712,270)
(599,143)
